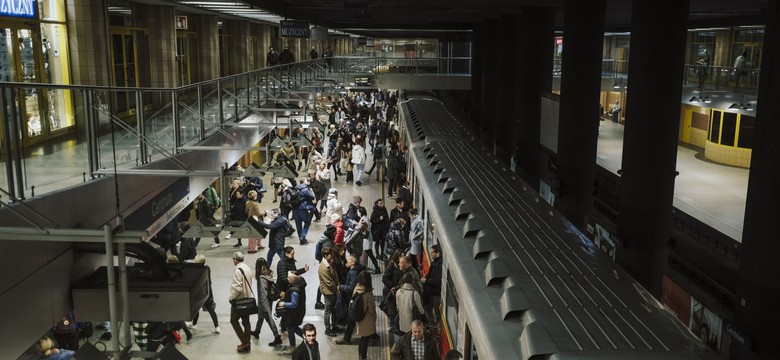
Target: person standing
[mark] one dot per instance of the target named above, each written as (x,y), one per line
(253,209)
(740,63)
(416,344)
(416,238)
(359,161)
(286,56)
(313,53)
(329,287)
(615,112)
(241,288)
(432,286)
(380,224)
(366,327)
(309,349)
(272,58)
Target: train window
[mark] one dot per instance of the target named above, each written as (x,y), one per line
(471,347)
(451,310)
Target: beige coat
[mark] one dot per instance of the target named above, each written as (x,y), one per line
(407,298)
(253,209)
(329,280)
(367,326)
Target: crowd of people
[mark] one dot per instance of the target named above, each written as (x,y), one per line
(360,125)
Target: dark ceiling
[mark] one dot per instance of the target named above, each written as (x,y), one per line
(416,18)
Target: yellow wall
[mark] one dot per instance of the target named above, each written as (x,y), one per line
(728,155)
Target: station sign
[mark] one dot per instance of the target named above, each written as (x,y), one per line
(27,9)
(294,28)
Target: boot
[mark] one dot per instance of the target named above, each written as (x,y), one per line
(277,341)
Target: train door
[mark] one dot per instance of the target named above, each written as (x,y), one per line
(686,128)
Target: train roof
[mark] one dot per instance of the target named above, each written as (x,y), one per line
(534,287)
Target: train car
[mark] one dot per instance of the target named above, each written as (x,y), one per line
(518,283)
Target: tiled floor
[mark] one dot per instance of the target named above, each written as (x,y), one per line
(206,345)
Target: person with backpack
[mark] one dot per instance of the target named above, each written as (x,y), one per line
(345,292)
(278,230)
(379,160)
(287,192)
(294,305)
(265,299)
(303,206)
(366,323)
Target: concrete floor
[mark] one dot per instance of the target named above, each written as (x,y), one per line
(710,192)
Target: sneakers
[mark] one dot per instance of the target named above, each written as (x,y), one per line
(342,342)
(227,236)
(191,325)
(358,183)
(277,341)
(237,245)
(215,245)
(319,305)
(331,332)
(303,242)
(215,330)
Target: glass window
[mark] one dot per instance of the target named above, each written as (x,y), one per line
(747,126)
(715,128)
(51,10)
(451,309)
(728,129)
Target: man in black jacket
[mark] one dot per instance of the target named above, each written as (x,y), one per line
(309,349)
(277,233)
(432,287)
(404,349)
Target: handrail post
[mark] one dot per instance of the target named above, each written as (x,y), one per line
(235,99)
(221,119)
(201,113)
(111,278)
(141,126)
(176,121)
(9,170)
(17,137)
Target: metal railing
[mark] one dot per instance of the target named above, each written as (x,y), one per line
(152,126)
(722,77)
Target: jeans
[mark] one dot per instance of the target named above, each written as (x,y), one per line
(302,222)
(330,317)
(291,332)
(359,171)
(242,333)
(270,256)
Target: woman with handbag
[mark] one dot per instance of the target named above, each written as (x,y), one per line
(209,305)
(240,294)
(408,300)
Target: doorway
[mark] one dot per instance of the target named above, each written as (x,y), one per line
(21,60)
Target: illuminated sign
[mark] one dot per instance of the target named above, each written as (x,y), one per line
(19,8)
(292,28)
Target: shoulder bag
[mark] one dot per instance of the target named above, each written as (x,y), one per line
(245,306)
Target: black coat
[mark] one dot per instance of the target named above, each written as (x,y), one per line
(432,284)
(277,229)
(380,223)
(282,268)
(402,349)
(294,316)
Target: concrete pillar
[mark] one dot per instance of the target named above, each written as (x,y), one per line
(583,33)
(507,114)
(88,42)
(490,83)
(534,67)
(650,138)
(238,40)
(208,46)
(160,21)
(759,273)
(477,77)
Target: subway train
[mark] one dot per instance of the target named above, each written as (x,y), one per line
(518,282)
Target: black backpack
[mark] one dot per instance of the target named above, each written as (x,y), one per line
(292,197)
(273,292)
(355,311)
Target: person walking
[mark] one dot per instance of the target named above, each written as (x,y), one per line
(265,298)
(241,288)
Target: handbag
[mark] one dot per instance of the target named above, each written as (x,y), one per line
(388,306)
(245,306)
